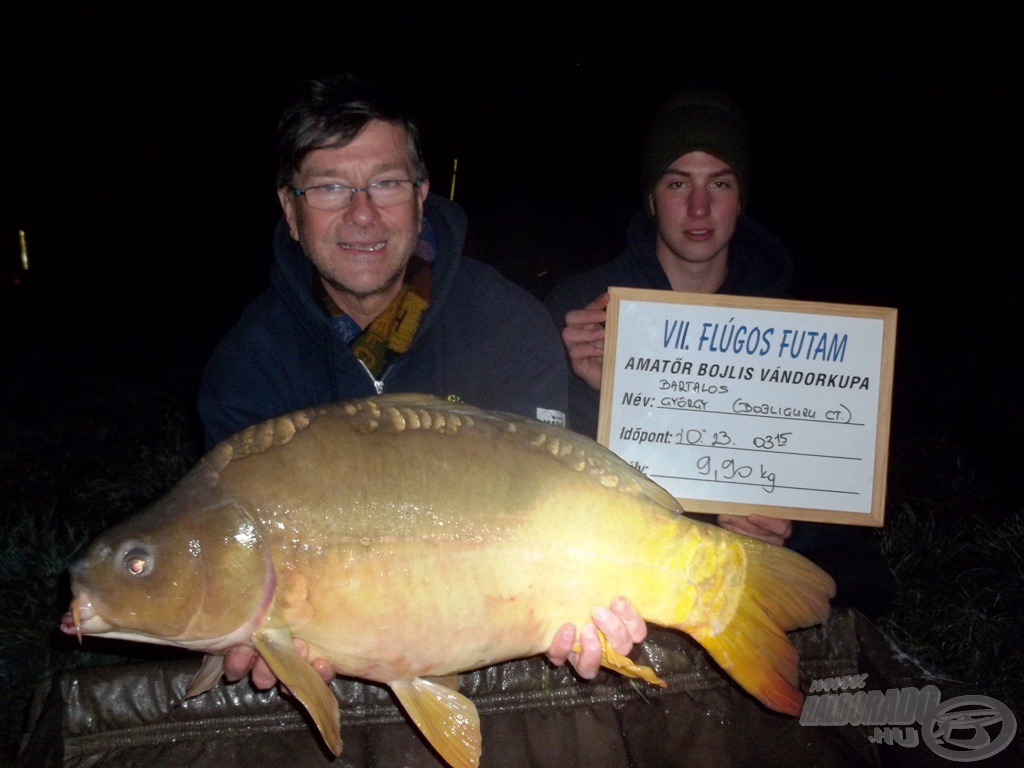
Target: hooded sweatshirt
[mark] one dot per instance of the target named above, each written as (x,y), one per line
(483,340)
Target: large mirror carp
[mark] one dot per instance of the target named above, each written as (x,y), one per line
(405,538)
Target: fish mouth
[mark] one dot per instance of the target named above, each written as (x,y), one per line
(70,622)
(82,619)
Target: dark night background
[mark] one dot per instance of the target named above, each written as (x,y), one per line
(139,157)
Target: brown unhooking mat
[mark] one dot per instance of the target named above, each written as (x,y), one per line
(532,715)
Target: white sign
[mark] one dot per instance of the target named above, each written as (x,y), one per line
(740,406)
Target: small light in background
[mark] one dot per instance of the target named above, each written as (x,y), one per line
(24,249)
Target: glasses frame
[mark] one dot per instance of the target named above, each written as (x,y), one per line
(351,192)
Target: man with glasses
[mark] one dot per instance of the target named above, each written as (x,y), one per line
(369,293)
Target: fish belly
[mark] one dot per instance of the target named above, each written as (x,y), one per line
(429,610)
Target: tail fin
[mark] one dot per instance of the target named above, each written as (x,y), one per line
(781,591)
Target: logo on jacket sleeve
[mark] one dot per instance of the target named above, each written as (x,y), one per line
(551,416)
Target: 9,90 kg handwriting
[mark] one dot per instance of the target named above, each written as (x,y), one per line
(729,470)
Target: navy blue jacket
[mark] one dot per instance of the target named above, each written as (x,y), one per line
(759,265)
(483,339)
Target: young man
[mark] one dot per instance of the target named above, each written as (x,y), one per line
(692,236)
(370,293)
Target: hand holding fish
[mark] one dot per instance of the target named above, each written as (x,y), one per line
(243,660)
(622,626)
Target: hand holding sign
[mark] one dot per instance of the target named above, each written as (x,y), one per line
(584,339)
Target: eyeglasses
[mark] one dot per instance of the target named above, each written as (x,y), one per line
(334,197)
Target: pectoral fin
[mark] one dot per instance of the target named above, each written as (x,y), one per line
(449,681)
(208,674)
(447,719)
(616,662)
(302,679)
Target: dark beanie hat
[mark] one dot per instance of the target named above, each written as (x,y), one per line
(693,120)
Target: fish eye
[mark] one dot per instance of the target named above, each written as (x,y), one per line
(138,561)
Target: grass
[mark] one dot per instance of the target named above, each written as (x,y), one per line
(960,565)
(83,445)
(80,449)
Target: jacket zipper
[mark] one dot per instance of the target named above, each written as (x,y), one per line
(378,384)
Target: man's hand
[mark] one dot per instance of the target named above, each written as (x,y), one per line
(773,530)
(243,660)
(621,625)
(583,337)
